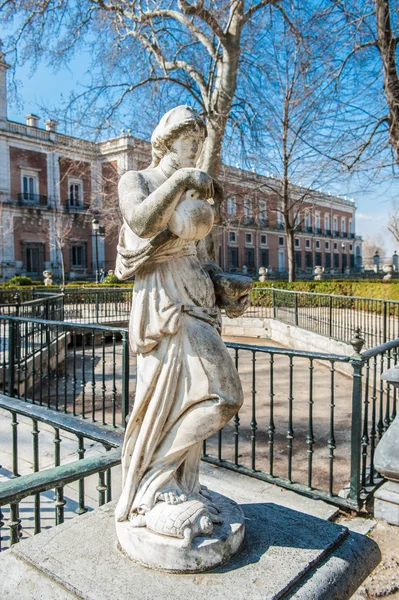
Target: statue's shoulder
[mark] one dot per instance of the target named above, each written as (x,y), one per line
(139,178)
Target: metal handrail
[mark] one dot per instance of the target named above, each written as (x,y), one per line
(289,352)
(17,489)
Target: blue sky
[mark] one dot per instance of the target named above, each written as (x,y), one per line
(46,88)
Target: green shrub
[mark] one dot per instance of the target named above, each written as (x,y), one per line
(109,279)
(21,281)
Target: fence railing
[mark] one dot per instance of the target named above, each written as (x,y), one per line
(301,426)
(24,506)
(330,315)
(73,367)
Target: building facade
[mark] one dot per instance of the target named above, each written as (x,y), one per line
(53,185)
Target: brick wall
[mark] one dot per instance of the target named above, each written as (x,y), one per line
(75,169)
(21,158)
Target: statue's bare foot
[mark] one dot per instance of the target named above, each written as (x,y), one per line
(171,497)
(138,521)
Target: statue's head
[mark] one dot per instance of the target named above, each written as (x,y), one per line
(181,132)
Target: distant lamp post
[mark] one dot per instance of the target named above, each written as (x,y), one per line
(376,259)
(96,227)
(343,250)
(395,261)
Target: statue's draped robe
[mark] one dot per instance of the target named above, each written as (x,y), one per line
(185,375)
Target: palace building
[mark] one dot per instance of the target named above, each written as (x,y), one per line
(52,186)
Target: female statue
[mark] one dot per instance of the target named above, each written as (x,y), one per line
(187,385)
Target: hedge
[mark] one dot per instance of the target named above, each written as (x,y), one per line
(362,289)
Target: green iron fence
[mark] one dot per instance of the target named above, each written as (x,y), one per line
(26,507)
(329,315)
(72,367)
(327,435)
(299,427)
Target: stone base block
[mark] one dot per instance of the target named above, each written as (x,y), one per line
(286,555)
(386,503)
(174,555)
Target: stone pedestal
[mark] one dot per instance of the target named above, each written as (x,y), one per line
(386,460)
(287,554)
(174,555)
(386,503)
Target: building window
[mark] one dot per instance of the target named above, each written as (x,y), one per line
(264,258)
(263,239)
(327,222)
(281,241)
(327,245)
(336,246)
(30,186)
(231,206)
(78,256)
(250,258)
(307,244)
(336,261)
(307,220)
(335,222)
(351,226)
(280,220)
(233,258)
(318,221)
(248,238)
(308,260)
(262,212)
(33,256)
(298,260)
(318,259)
(317,244)
(75,193)
(343,247)
(327,260)
(247,210)
(232,237)
(297,243)
(343,225)
(351,247)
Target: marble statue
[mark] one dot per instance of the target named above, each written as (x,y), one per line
(48,277)
(187,385)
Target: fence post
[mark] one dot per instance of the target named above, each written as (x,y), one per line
(296,308)
(11,357)
(384,329)
(356,361)
(330,320)
(125,377)
(274,302)
(97,307)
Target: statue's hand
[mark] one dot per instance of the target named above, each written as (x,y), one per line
(232,293)
(199,180)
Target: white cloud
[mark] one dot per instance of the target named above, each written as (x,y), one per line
(367,217)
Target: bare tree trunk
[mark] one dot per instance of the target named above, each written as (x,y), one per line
(387,45)
(62,267)
(291,254)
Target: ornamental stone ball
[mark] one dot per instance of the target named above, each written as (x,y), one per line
(187,385)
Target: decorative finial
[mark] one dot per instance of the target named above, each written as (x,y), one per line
(357,342)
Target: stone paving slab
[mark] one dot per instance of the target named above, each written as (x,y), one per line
(283,548)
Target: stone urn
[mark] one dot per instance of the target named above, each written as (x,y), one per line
(263,274)
(318,273)
(48,277)
(388,270)
(244,270)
